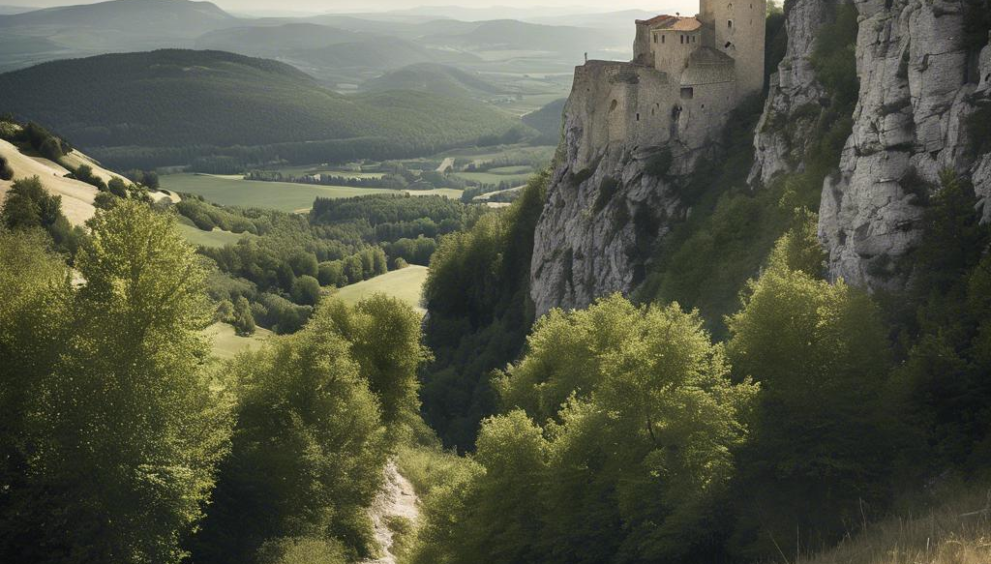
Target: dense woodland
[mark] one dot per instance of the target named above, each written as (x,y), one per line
(285,262)
(738,408)
(234,109)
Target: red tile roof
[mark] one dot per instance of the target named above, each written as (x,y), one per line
(655,20)
(678,24)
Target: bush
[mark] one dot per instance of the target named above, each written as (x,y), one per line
(6,173)
(242,319)
(85,174)
(306,290)
(834,56)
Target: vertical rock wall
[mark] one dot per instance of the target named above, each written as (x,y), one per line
(916,92)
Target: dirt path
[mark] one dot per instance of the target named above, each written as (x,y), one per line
(448,163)
(397,499)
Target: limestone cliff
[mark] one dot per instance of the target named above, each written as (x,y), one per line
(600,223)
(918,84)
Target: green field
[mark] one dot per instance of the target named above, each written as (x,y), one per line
(451,193)
(235,191)
(493,178)
(405,284)
(226,344)
(198,237)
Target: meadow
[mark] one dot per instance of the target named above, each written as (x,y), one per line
(227,344)
(235,191)
(216,238)
(405,284)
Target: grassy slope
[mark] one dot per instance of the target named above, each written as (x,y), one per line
(953,531)
(235,191)
(216,238)
(77,197)
(226,344)
(405,284)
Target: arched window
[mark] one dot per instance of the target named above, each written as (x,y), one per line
(612,107)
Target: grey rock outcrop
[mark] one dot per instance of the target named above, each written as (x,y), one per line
(599,228)
(795,96)
(916,91)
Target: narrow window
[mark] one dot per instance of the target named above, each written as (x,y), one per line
(663,38)
(682,37)
(612,106)
(655,39)
(638,117)
(730,23)
(687,93)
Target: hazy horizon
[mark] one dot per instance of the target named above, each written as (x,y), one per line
(323,6)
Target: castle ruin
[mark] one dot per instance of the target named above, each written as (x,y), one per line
(686,76)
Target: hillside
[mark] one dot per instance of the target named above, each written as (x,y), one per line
(436,79)
(548,121)
(185,100)
(516,35)
(174,17)
(77,196)
(267,41)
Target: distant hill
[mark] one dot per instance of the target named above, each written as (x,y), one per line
(437,79)
(180,105)
(517,35)
(547,121)
(267,41)
(9,10)
(156,17)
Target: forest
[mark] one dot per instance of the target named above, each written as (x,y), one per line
(275,274)
(236,109)
(739,407)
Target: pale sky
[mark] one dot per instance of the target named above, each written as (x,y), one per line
(321,6)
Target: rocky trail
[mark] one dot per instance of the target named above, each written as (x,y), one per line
(397,499)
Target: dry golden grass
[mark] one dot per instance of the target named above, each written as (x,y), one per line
(77,197)
(956,531)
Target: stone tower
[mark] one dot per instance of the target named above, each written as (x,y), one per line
(736,27)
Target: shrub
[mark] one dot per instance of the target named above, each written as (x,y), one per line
(6,173)
(85,174)
(834,56)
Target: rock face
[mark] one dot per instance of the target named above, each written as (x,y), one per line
(599,227)
(917,88)
(794,91)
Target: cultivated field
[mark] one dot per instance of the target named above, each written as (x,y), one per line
(235,191)
(405,284)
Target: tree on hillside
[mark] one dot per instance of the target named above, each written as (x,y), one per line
(130,428)
(307,454)
(385,338)
(818,449)
(34,299)
(28,205)
(632,460)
